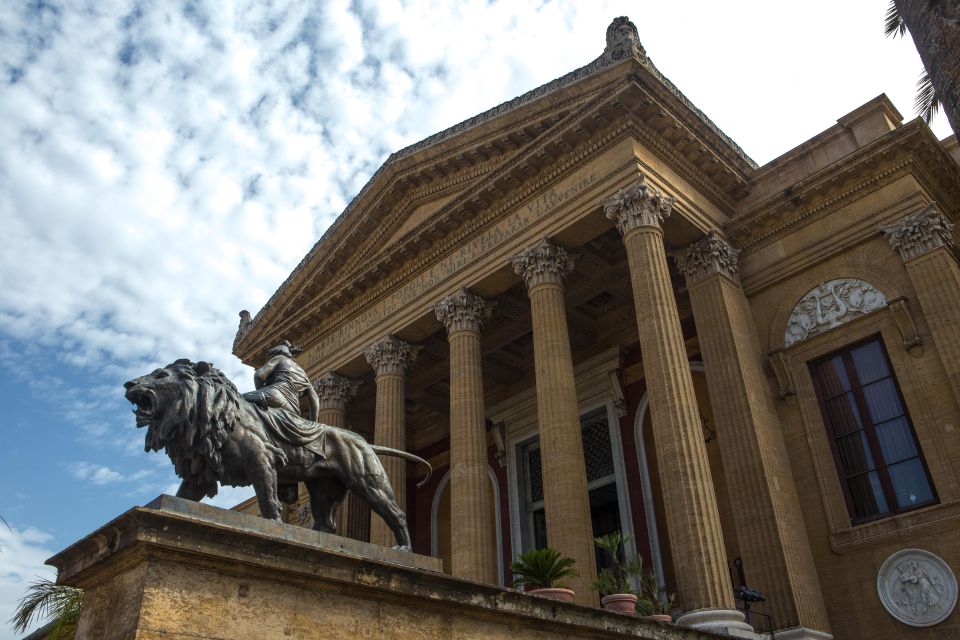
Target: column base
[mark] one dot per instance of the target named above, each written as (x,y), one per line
(802,633)
(725,621)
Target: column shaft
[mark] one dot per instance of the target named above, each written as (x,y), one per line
(936,278)
(928,248)
(766,510)
(389,431)
(693,522)
(473,544)
(565,497)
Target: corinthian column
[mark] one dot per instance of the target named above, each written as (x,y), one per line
(390,359)
(473,544)
(335,392)
(773,543)
(927,246)
(693,523)
(543,268)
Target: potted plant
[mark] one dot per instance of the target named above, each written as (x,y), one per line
(539,572)
(613,582)
(657,603)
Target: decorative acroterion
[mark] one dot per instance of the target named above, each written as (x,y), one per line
(462,311)
(389,356)
(543,263)
(830,305)
(623,41)
(917,587)
(706,257)
(638,205)
(920,232)
(335,390)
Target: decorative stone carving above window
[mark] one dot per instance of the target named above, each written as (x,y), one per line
(830,305)
(917,587)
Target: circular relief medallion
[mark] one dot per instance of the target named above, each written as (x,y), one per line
(917,587)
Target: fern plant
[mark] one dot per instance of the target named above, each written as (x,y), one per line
(542,569)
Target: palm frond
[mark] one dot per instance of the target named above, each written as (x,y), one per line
(893,24)
(928,102)
(46,600)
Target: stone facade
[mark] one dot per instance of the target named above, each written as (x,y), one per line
(618,319)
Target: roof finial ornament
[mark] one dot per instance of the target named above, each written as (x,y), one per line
(623,41)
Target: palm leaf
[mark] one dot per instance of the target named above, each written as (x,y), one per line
(927,103)
(46,600)
(542,568)
(893,24)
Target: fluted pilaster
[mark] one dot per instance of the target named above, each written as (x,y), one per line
(773,542)
(566,501)
(390,359)
(693,522)
(473,543)
(926,244)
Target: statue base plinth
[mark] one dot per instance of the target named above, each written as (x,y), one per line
(179,569)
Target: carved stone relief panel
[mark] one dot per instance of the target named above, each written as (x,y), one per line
(917,587)
(830,305)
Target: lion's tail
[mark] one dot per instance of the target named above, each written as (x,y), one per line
(387,451)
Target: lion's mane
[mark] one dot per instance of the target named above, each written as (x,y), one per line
(192,431)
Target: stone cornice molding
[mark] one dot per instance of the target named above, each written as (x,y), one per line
(706,257)
(390,356)
(543,263)
(462,311)
(638,205)
(911,148)
(919,233)
(335,390)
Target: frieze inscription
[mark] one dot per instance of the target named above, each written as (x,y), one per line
(455,262)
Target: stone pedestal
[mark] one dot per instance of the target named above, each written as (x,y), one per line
(693,522)
(390,359)
(566,500)
(179,570)
(473,545)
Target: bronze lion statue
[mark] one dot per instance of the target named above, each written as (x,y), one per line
(213,435)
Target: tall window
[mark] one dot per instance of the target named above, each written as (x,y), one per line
(601,482)
(881,467)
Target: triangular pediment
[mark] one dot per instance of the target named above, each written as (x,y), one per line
(439,186)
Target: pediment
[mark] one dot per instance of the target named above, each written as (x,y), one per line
(441,185)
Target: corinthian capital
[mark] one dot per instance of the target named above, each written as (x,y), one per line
(920,232)
(335,390)
(389,355)
(706,257)
(462,311)
(639,205)
(542,263)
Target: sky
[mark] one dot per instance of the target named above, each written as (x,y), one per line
(164,165)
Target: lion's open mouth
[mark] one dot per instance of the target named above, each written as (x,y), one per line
(146,402)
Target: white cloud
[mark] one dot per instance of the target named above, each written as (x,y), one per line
(22,554)
(102,475)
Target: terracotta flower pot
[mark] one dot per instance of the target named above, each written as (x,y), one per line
(659,617)
(620,603)
(555,593)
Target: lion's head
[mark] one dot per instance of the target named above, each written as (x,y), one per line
(188,408)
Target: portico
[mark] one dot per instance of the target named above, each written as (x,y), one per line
(549,303)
